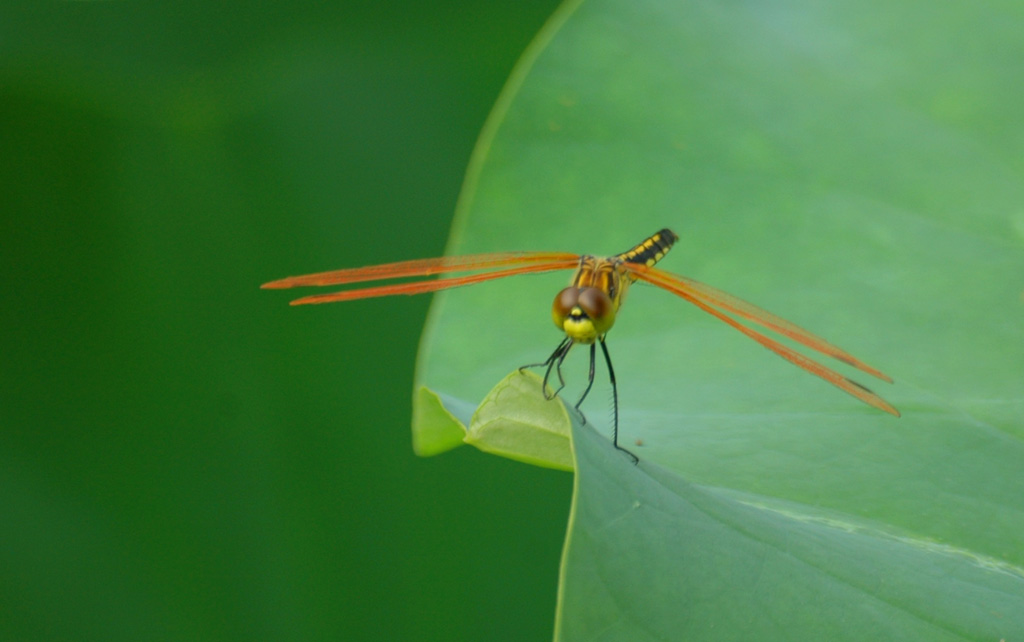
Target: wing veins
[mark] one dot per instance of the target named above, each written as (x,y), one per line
(810,365)
(420,287)
(681,285)
(421,267)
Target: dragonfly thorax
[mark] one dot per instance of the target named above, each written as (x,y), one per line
(584,314)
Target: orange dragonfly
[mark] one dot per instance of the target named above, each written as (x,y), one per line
(586,310)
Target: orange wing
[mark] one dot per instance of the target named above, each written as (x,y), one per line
(713,301)
(524,262)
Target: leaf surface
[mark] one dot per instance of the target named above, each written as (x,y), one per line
(850,167)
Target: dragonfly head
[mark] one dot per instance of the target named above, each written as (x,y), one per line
(584,314)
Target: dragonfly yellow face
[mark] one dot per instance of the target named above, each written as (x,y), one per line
(587,309)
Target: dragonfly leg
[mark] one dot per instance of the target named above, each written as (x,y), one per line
(562,352)
(615,397)
(554,362)
(590,382)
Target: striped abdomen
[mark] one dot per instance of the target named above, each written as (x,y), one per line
(651,250)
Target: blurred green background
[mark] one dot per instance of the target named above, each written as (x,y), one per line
(182,455)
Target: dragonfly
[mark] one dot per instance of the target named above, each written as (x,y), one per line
(586,310)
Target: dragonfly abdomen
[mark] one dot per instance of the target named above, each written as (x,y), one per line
(652,249)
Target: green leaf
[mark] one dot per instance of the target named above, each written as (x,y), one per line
(437,424)
(853,166)
(515,420)
(653,557)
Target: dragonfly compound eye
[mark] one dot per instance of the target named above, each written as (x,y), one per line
(595,303)
(598,306)
(565,301)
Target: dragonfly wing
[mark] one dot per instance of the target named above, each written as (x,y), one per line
(423,267)
(419,287)
(681,287)
(684,287)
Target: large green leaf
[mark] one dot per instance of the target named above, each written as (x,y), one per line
(654,557)
(854,166)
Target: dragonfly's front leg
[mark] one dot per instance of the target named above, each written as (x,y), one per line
(590,382)
(554,362)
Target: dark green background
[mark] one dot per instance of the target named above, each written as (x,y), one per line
(182,455)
